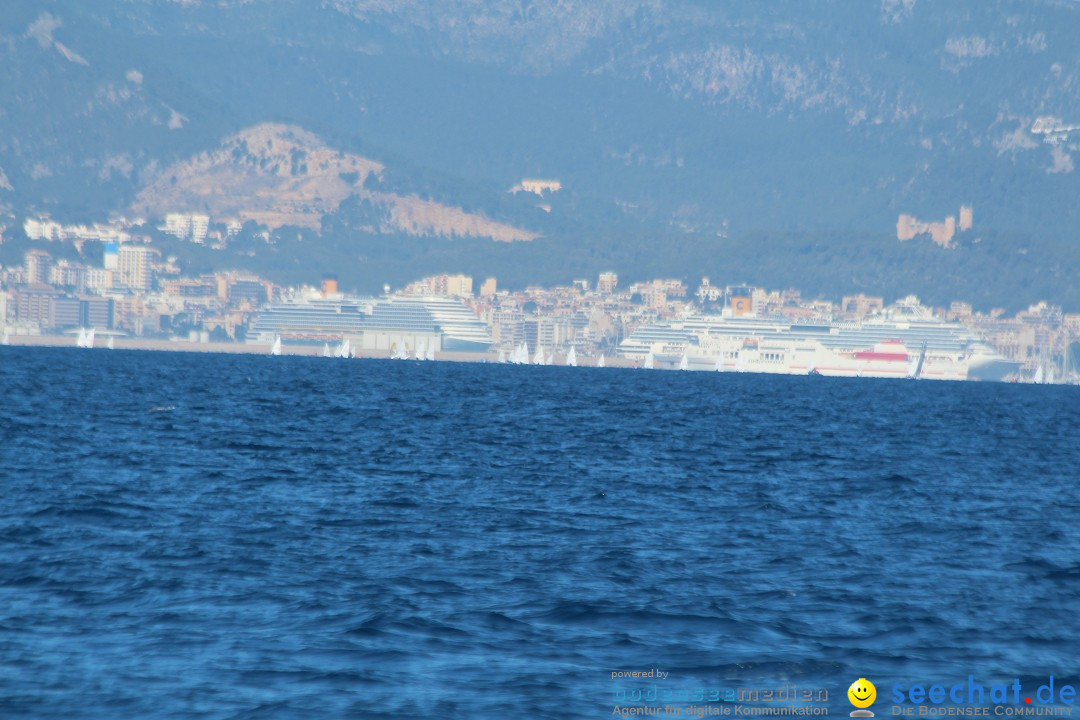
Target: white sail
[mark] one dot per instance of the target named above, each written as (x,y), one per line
(649,361)
(571,358)
(90,338)
(110,344)
(684,363)
(326,350)
(740,362)
(81,340)
(421,350)
(719,363)
(343,350)
(1038,376)
(1050,377)
(431,350)
(538,359)
(502,356)
(810,369)
(275,349)
(7,337)
(600,362)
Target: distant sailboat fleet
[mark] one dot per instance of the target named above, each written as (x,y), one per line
(520,355)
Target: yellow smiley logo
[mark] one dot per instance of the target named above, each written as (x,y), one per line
(862,693)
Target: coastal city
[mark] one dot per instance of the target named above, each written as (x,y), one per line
(137,298)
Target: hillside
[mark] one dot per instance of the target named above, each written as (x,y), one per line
(663,120)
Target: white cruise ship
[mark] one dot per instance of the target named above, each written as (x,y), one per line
(448,320)
(402,323)
(905,341)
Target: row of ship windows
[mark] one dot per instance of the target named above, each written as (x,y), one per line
(766,356)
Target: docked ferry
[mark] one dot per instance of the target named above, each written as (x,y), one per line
(903,342)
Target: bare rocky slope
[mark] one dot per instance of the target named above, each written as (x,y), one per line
(278,175)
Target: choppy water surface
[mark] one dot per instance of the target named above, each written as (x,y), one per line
(226,536)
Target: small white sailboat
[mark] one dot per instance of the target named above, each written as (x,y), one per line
(111,345)
(1050,377)
(421,350)
(740,362)
(601,362)
(90,338)
(275,349)
(7,337)
(649,363)
(502,356)
(80,341)
(719,364)
(538,359)
(684,363)
(1038,379)
(431,350)
(343,350)
(326,350)
(571,358)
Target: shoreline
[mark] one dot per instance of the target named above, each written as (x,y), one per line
(234,348)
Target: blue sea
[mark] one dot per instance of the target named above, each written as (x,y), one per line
(218,536)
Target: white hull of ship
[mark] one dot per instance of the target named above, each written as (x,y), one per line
(808,357)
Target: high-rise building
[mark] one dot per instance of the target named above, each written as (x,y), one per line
(199,226)
(68,275)
(178,225)
(488,288)
(64,312)
(32,304)
(38,264)
(133,264)
(459,285)
(607,283)
(99,279)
